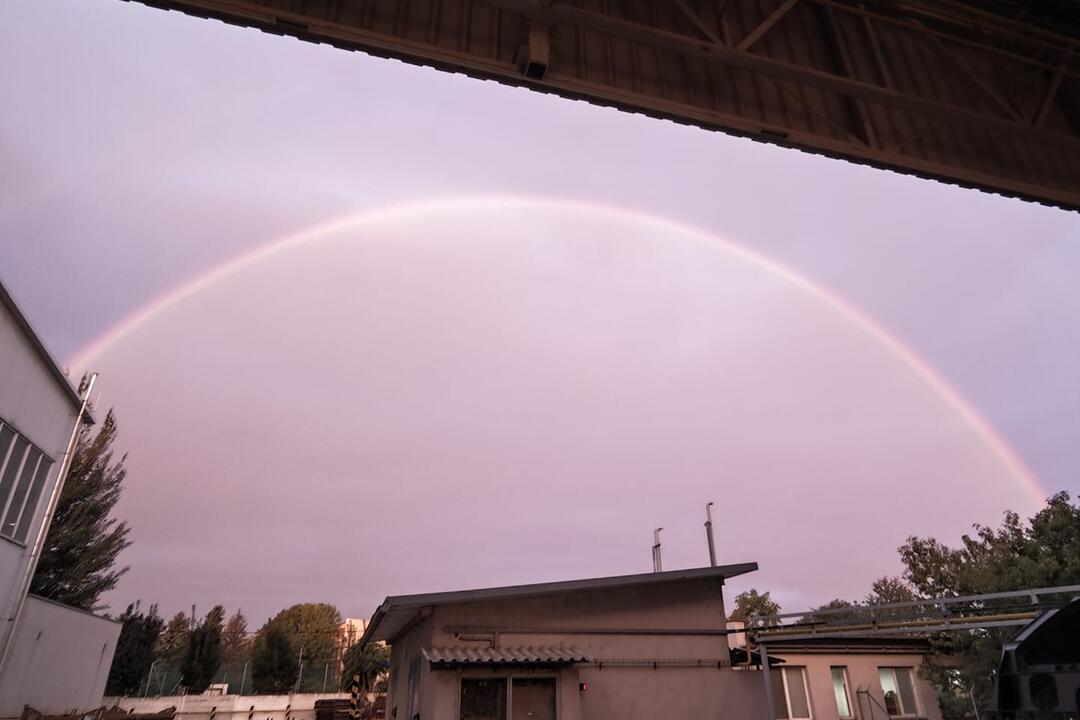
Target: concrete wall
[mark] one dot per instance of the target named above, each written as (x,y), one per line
(862,670)
(59,659)
(33,401)
(230,707)
(684,676)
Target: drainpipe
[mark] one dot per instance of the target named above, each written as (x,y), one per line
(766,673)
(43,531)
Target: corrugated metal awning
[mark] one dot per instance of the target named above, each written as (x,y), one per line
(455,656)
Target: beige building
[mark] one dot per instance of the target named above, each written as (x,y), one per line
(349,633)
(847,678)
(634,647)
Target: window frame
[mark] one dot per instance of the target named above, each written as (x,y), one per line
(30,503)
(783,670)
(508,678)
(847,692)
(905,712)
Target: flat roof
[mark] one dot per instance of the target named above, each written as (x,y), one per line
(399,611)
(39,347)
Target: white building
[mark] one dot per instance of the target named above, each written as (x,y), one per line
(52,657)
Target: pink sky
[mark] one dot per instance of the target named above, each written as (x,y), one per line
(510,393)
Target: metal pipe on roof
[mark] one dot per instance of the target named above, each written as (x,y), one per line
(657,566)
(709,534)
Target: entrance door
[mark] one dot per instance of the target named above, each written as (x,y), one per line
(533,699)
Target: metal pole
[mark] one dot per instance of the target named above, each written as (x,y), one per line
(243,677)
(325,676)
(43,531)
(149,676)
(299,670)
(766,673)
(709,534)
(657,565)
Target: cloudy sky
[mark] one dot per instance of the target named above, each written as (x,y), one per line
(372,329)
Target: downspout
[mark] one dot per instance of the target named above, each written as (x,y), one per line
(43,531)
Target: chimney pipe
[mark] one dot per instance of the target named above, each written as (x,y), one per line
(709,534)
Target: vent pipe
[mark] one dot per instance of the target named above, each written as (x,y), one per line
(657,566)
(709,534)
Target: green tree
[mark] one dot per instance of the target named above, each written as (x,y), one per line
(833,618)
(890,590)
(172,645)
(751,603)
(273,661)
(234,640)
(369,661)
(134,650)
(1041,552)
(203,657)
(78,562)
(312,627)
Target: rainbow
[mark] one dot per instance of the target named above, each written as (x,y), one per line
(1000,448)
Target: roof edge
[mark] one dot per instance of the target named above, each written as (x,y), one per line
(507,592)
(39,347)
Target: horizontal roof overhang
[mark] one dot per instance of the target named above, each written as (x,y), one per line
(400,612)
(846,645)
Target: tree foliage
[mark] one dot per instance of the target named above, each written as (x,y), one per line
(273,661)
(311,627)
(234,639)
(134,650)
(78,562)
(890,590)
(369,661)
(1043,551)
(815,616)
(203,656)
(172,645)
(751,603)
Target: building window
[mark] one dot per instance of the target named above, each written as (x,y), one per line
(789,693)
(23,470)
(483,699)
(520,698)
(840,691)
(899,691)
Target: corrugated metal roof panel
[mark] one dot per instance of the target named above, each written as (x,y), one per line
(541,655)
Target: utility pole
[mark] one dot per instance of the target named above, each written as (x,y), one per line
(709,534)
(657,566)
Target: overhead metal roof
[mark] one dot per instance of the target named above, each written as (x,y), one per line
(984,93)
(398,612)
(455,656)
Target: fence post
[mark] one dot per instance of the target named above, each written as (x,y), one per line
(354,710)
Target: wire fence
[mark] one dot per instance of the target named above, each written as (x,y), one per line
(166,678)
